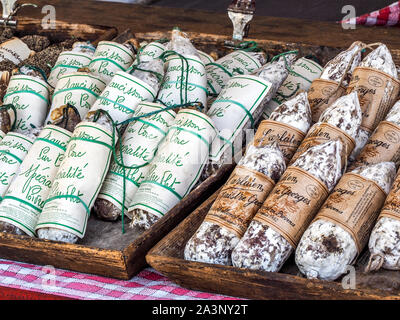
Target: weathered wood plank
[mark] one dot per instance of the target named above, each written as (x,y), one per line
(167,258)
(146,19)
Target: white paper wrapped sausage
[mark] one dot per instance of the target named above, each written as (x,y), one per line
(236,63)
(13,149)
(79,89)
(78,181)
(176,168)
(185,78)
(111,58)
(139,146)
(69,62)
(303,72)
(239,107)
(126,90)
(30,96)
(26,196)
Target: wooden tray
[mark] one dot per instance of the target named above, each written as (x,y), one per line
(167,258)
(104,250)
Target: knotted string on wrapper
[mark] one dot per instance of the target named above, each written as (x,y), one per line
(41,71)
(118,156)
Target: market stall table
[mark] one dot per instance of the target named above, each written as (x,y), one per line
(149,284)
(32,282)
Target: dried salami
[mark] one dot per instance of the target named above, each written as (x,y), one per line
(341,120)
(334,80)
(384,144)
(273,234)
(341,229)
(236,205)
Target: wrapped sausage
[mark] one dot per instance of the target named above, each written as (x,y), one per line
(287,125)
(13,149)
(25,198)
(276,229)
(138,147)
(185,78)
(111,58)
(341,121)
(149,52)
(125,91)
(78,180)
(334,80)
(303,72)
(79,89)
(384,144)
(29,93)
(236,205)
(205,58)
(376,82)
(384,240)
(236,63)
(262,166)
(71,61)
(342,227)
(239,106)
(175,169)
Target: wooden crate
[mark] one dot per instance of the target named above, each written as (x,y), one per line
(167,258)
(105,250)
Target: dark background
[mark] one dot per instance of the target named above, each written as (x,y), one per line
(324,10)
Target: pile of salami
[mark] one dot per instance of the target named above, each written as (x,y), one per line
(125,130)
(318,181)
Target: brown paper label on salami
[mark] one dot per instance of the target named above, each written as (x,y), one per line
(354,205)
(391,208)
(322,94)
(383,146)
(377,92)
(239,200)
(321,133)
(288,137)
(293,204)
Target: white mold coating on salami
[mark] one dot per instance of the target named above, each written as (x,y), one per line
(345,114)
(385,242)
(361,140)
(147,70)
(268,160)
(326,249)
(84,47)
(57,235)
(347,60)
(381,59)
(214,244)
(262,248)
(394,114)
(382,173)
(295,112)
(276,72)
(323,162)
(180,43)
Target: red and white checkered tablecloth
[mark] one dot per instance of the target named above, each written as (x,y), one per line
(388,17)
(148,285)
